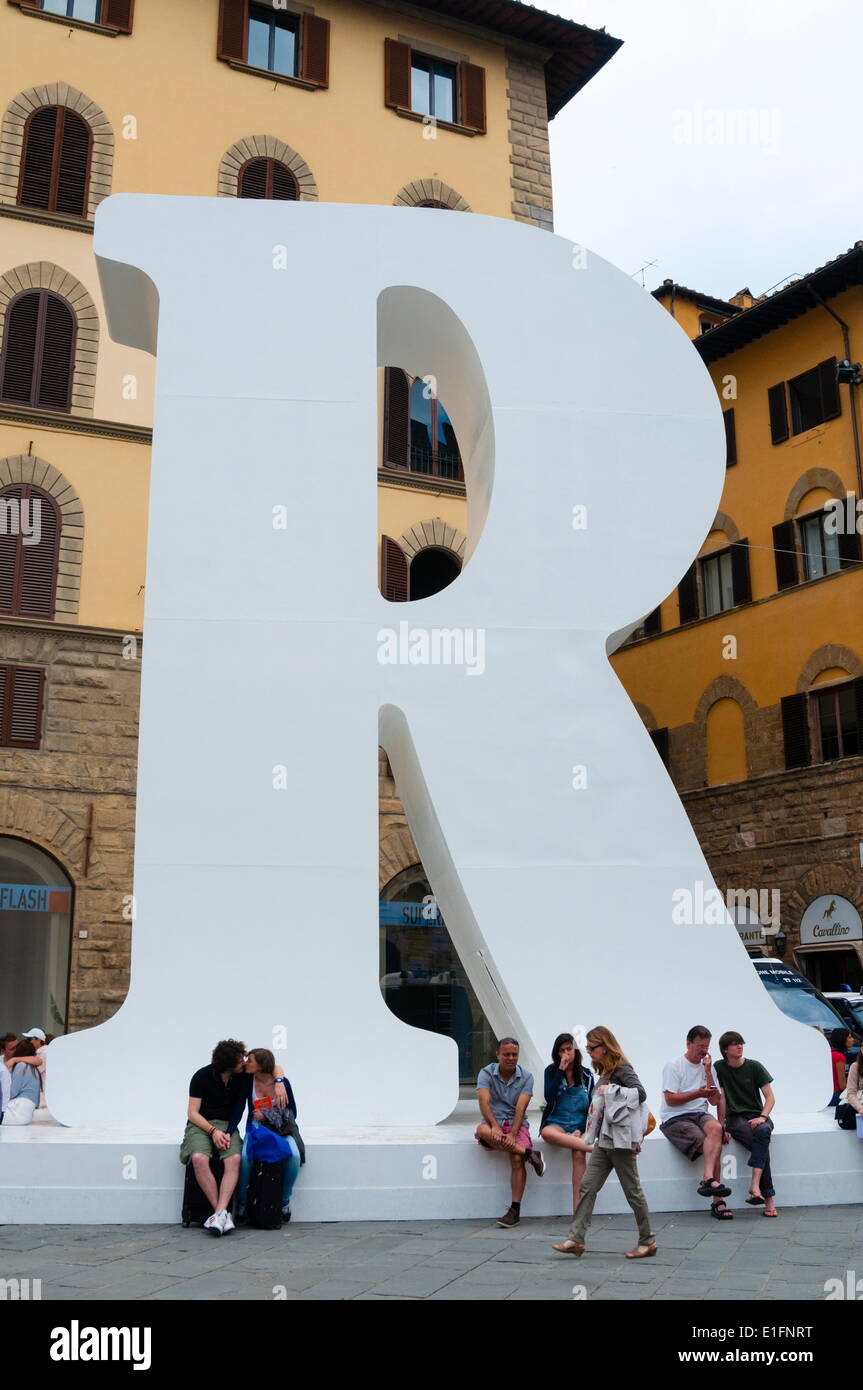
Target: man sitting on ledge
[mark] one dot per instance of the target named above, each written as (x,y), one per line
(504,1090)
(217,1096)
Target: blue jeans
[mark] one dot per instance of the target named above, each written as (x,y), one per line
(292,1171)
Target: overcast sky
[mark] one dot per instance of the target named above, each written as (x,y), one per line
(723,140)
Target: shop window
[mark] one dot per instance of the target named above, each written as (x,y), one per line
(267,178)
(55,161)
(837,717)
(422,978)
(29,547)
(38,353)
(21,699)
(35,938)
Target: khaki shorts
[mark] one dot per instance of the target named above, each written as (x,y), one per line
(196,1141)
(687,1132)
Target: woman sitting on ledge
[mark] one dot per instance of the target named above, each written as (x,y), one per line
(262,1110)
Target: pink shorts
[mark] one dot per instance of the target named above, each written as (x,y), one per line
(523,1135)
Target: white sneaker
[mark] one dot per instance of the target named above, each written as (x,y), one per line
(213,1223)
(228,1224)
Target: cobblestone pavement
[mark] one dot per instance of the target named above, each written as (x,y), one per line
(747,1259)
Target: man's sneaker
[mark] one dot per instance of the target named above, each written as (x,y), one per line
(536,1161)
(510,1218)
(213,1224)
(228,1224)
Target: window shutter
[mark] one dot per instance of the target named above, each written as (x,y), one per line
(117,14)
(730,438)
(849,549)
(38,563)
(315,50)
(687,596)
(740,572)
(37,159)
(22,691)
(778,413)
(785,548)
(472,94)
(397,74)
(795,730)
(653,622)
(72,178)
(283,185)
(396,418)
(252,182)
(27,4)
(394,571)
(858,707)
(9,546)
(19,348)
(831,405)
(54,388)
(660,743)
(233,29)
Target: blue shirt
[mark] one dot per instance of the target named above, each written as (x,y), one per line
(504,1094)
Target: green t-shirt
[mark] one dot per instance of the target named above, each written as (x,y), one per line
(741,1086)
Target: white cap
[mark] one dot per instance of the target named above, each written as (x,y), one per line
(34,1033)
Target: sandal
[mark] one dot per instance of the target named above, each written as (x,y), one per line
(774,1212)
(713,1188)
(570,1247)
(721,1212)
(752,1201)
(641,1252)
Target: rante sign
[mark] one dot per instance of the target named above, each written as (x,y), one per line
(828,920)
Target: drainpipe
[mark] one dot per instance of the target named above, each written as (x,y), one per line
(846,338)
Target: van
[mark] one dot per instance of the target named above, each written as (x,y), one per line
(796,996)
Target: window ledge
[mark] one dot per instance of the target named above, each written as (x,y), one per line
(72,23)
(434,123)
(48,219)
(77,424)
(421,482)
(274,76)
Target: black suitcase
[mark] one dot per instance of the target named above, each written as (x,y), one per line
(264,1198)
(196,1208)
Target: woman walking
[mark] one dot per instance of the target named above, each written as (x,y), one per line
(619,1132)
(568,1088)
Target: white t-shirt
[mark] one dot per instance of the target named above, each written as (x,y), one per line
(681,1075)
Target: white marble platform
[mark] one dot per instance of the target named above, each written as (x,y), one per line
(55,1175)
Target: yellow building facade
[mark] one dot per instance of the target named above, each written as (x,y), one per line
(434,105)
(750,675)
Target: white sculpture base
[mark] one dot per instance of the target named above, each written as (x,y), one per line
(50,1175)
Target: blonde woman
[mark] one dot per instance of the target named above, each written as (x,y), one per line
(618,1141)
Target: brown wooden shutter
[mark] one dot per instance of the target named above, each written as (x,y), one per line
(397,74)
(740,580)
(831,405)
(778,406)
(795,730)
(315,50)
(858,709)
(730,438)
(21,699)
(233,30)
(37,158)
(74,165)
(785,554)
(54,388)
(394,571)
(660,743)
(19,348)
(37,584)
(687,596)
(252,182)
(27,4)
(117,14)
(9,547)
(396,418)
(849,551)
(653,622)
(283,185)
(472,96)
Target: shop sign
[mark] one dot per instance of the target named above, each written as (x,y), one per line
(830,920)
(33,897)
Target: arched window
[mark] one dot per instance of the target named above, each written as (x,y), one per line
(267,178)
(726,743)
(29,549)
(55,161)
(432,570)
(38,354)
(431,203)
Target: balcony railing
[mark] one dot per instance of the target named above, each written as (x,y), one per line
(443,464)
